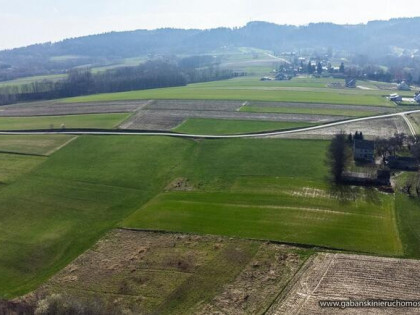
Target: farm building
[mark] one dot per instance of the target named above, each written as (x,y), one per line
(402,163)
(395,98)
(364,150)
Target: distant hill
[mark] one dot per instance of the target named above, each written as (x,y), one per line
(376,37)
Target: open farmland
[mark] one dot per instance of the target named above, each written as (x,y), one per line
(33,145)
(61,208)
(343,277)
(51,108)
(106,121)
(13,166)
(384,127)
(225,126)
(289,213)
(97,183)
(179,274)
(249,89)
(315,109)
(169,114)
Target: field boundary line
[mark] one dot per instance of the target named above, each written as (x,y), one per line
(61,146)
(242,105)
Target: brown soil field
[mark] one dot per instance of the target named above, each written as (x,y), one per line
(373,109)
(193,105)
(342,277)
(169,119)
(371,129)
(54,109)
(158,273)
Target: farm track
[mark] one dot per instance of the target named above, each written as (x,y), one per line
(180,135)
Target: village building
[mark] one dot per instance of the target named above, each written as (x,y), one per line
(364,151)
(402,163)
(395,98)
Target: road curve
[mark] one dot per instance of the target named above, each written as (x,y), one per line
(182,135)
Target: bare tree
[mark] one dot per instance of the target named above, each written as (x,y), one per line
(338,156)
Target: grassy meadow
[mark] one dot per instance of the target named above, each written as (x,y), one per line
(250,188)
(256,188)
(251,89)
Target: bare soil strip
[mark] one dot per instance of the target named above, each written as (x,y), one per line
(56,109)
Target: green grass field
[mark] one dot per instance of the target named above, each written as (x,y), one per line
(307,110)
(58,211)
(260,188)
(69,121)
(408,216)
(287,213)
(12,166)
(226,126)
(251,89)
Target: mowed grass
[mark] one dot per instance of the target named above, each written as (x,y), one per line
(308,110)
(227,126)
(68,121)
(239,195)
(12,166)
(34,144)
(251,89)
(289,213)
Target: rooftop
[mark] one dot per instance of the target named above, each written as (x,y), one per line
(364,144)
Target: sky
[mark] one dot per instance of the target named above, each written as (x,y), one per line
(24,22)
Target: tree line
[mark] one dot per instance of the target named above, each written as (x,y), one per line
(82,81)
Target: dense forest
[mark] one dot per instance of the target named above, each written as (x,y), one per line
(376,40)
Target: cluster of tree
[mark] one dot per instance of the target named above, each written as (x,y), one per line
(374,39)
(81,81)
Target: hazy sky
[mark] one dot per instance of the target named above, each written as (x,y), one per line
(24,22)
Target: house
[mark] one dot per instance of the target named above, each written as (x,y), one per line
(395,98)
(402,163)
(364,151)
(403,86)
